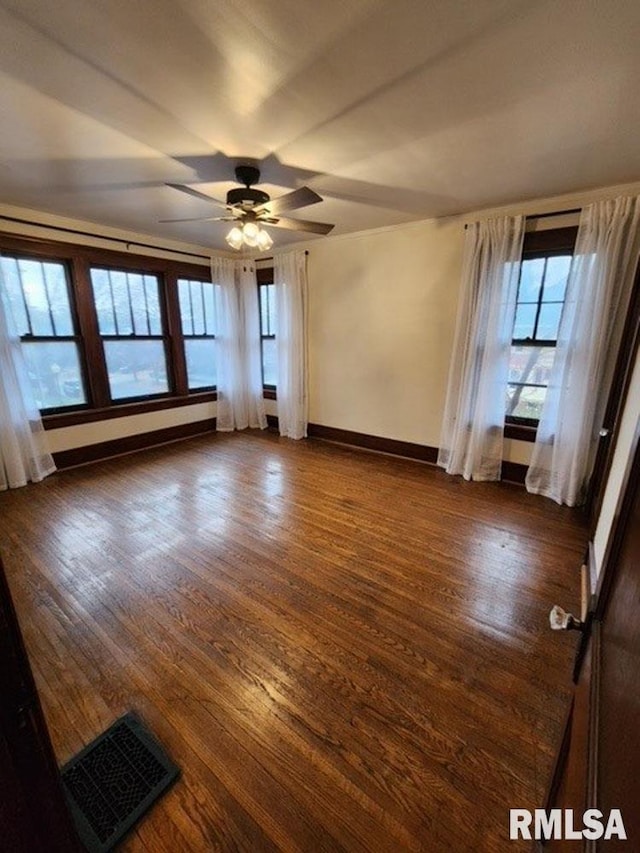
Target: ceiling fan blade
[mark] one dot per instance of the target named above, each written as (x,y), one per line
(291,201)
(299,225)
(183,188)
(202,219)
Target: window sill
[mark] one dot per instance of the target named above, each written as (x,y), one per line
(520,432)
(123,410)
(269,394)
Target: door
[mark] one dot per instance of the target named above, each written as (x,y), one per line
(598,764)
(33,813)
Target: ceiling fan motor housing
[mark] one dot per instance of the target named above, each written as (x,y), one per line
(247,175)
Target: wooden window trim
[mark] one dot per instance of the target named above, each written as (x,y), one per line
(123,410)
(79,259)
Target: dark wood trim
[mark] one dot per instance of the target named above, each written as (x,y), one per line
(560,763)
(95,367)
(551,240)
(594,716)
(264,275)
(520,432)
(39,247)
(272,422)
(33,812)
(78,233)
(177,359)
(131,443)
(621,381)
(269,394)
(420,452)
(514,472)
(142,407)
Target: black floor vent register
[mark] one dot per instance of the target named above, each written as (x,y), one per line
(114,780)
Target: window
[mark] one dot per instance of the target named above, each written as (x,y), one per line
(108,333)
(267,295)
(131,327)
(197,316)
(38,292)
(546,261)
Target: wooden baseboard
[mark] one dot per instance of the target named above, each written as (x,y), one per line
(420,452)
(131,443)
(514,472)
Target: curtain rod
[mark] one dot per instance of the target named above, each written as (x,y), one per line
(546,215)
(127,243)
(306,251)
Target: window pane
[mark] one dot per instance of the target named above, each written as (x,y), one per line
(269,362)
(121,303)
(136,368)
(549,320)
(32,278)
(14,290)
(56,281)
(272,308)
(138,304)
(525,321)
(525,401)
(126,303)
(197,308)
(209,308)
(103,301)
(531,364)
(264,309)
(38,294)
(528,367)
(185,306)
(530,279)
(152,291)
(555,282)
(54,370)
(201,363)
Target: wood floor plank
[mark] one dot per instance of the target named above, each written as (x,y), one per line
(342,650)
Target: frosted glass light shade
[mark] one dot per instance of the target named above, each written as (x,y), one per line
(235,237)
(264,241)
(251,231)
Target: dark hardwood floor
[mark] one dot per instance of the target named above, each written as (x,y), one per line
(343,651)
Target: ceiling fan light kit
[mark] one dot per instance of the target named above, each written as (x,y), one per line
(249,234)
(248,208)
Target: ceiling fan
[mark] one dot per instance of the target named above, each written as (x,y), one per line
(249,208)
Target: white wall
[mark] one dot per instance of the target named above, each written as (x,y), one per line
(382,310)
(93,433)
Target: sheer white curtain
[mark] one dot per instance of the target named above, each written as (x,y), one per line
(290,279)
(23,454)
(473,426)
(252,357)
(596,302)
(240,402)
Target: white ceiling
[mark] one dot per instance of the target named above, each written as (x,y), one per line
(392,111)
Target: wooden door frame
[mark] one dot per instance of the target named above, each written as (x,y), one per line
(621,381)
